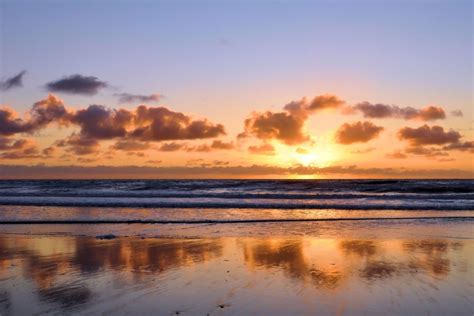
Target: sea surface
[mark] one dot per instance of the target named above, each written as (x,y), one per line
(195,201)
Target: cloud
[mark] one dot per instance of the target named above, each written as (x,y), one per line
(133,128)
(160,123)
(79,145)
(135,172)
(86,160)
(46,111)
(154,161)
(431,113)
(379,110)
(325,101)
(49,151)
(137,98)
(457,113)
(18,149)
(41,114)
(427,152)
(215,145)
(358,132)
(218,144)
(433,142)
(172,146)
(264,149)
(99,122)
(10,124)
(12,82)
(426,135)
(283,126)
(142,124)
(220,163)
(397,155)
(77,84)
(135,153)
(130,145)
(461,146)
(287,126)
(28,153)
(7,143)
(203,148)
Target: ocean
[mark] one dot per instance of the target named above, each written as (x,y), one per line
(181,201)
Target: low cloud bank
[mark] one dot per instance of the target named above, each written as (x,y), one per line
(254,171)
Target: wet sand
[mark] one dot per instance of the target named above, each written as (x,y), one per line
(396,267)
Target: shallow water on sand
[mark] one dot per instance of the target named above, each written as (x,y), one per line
(423,269)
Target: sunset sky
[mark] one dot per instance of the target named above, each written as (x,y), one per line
(236,89)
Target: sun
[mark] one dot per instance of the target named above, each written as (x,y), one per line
(306,159)
(314,159)
(322,155)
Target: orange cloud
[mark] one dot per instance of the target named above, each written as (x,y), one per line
(97,122)
(19,149)
(130,145)
(283,126)
(264,149)
(79,144)
(172,146)
(160,123)
(10,124)
(397,155)
(41,114)
(465,146)
(358,132)
(287,126)
(426,135)
(325,101)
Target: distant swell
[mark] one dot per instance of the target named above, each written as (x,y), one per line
(272,196)
(350,204)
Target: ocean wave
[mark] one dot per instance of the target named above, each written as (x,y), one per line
(260,186)
(349,204)
(256,194)
(271,196)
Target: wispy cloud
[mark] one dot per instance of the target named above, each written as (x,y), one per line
(137,98)
(13,82)
(380,111)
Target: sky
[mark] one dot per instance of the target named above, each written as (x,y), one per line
(236,89)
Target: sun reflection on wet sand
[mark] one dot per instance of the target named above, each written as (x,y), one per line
(244,275)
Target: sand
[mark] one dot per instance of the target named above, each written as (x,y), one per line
(394,267)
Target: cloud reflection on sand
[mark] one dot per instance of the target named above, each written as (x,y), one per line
(70,273)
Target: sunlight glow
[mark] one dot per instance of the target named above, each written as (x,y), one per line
(323,154)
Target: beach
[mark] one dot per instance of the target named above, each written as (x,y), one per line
(352,258)
(399,268)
